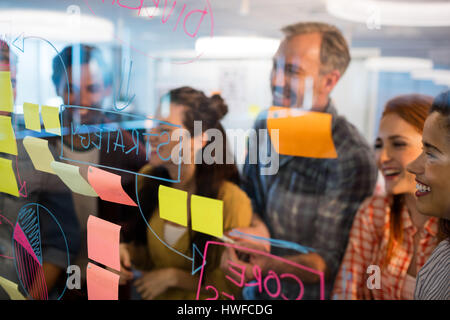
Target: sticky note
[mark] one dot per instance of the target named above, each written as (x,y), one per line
(207,215)
(7,136)
(32,117)
(50,115)
(301,133)
(6,92)
(8,184)
(39,153)
(101,284)
(71,176)
(108,186)
(11,288)
(173,205)
(103,239)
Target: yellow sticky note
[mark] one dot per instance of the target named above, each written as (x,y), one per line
(173,205)
(7,136)
(50,115)
(301,133)
(71,176)
(39,153)
(6,92)
(32,117)
(11,288)
(207,215)
(9,183)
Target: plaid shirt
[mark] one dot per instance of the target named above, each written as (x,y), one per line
(368,246)
(312,202)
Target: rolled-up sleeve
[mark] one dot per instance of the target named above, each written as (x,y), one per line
(349,284)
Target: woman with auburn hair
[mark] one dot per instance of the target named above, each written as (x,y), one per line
(432,173)
(389,235)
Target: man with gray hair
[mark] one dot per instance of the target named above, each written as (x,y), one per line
(309,201)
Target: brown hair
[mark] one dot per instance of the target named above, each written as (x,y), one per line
(334,51)
(413,108)
(208,177)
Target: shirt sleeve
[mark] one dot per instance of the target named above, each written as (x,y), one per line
(251,174)
(237,208)
(350,281)
(348,183)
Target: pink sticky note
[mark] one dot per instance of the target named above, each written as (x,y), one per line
(103,239)
(101,284)
(108,186)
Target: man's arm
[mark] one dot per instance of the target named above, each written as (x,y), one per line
(310,260)
(349,184)
(356,175)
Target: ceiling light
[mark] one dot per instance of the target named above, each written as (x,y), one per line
(58,26)
(149,12)
(397,64)
(237,47)
(438,76)
(392,13)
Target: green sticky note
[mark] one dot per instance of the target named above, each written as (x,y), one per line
(32,117)
(207,215)
(39,153)
(11,288)
(71,176)
(7,136)
(173,205)
(9,183)
(6,92)
(50,115)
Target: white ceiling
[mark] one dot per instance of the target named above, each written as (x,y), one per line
(265,18)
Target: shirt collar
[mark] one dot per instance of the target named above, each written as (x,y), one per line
(431,226)
(331,109)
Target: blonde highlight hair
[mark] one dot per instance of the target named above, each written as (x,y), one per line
(334,51)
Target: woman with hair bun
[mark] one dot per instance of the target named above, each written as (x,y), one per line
(165,274)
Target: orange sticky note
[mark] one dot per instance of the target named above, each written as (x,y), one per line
(6,92)
(301,133)
(173,205)
(7,137)
(101,284)
(32,117)
(207,215)
(103,238)
(9,183)
(108,186)
(50,116)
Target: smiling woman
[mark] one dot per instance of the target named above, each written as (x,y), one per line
(388,231)
(432,170)
(432,167)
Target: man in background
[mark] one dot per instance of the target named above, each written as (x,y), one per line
(90,83)
(311,202)
(43,189)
